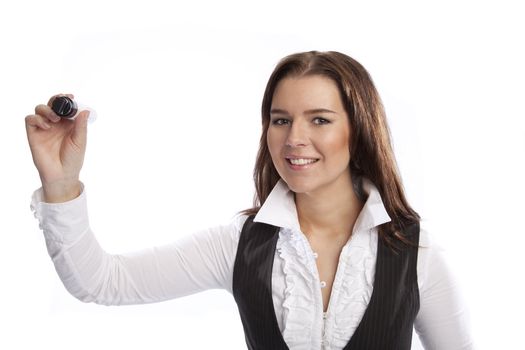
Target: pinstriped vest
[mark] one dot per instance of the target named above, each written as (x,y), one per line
(388,320)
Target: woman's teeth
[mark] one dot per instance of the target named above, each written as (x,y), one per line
(302,161)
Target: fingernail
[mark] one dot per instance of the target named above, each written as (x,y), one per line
(46,125)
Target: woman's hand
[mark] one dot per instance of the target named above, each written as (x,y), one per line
(58,147)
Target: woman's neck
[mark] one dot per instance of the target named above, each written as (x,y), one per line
(331,211)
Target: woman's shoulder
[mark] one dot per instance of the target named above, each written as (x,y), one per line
(427,237)
(430,248)
(237,223)
(432,261)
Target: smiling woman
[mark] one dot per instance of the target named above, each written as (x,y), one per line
(310,80)
(331,256)
(309,135)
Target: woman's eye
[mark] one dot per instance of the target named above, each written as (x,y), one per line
(320,121)
(280,121)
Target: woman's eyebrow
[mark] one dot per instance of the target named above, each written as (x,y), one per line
(278,111)
(319,110)
(310,111)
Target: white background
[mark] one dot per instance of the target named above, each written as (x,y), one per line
(178,89)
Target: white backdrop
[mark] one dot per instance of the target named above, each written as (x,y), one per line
(178,89)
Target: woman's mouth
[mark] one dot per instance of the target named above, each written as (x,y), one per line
(301,161)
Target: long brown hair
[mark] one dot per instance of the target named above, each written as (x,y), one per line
(371,151)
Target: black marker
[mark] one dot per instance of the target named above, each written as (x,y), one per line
(64,107)
(67,108)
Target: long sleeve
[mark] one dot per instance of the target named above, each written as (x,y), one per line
(443,321)
(195,263)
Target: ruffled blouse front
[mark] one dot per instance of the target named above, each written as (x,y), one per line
(297,284)
(295,281)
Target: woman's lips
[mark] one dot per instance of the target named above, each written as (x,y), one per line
(297,163)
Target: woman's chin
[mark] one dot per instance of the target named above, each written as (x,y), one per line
(300,186)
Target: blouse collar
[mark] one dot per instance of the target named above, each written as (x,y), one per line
(279,208)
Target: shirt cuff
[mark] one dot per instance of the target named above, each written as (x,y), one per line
(61,222)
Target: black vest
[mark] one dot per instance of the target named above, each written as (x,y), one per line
(388,320)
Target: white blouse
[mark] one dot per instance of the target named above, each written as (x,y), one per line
(205,260)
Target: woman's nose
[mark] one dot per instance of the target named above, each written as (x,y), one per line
(297,135)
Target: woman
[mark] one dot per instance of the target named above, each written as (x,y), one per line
(330,257)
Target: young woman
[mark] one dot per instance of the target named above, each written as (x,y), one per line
(330,257)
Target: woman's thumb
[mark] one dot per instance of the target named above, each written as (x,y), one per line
(79,136)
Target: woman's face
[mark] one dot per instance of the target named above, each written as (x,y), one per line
(309,134)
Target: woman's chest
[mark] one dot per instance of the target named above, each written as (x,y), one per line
(321,301)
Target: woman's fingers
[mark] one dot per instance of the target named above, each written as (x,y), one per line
(36,121)
(47,113)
